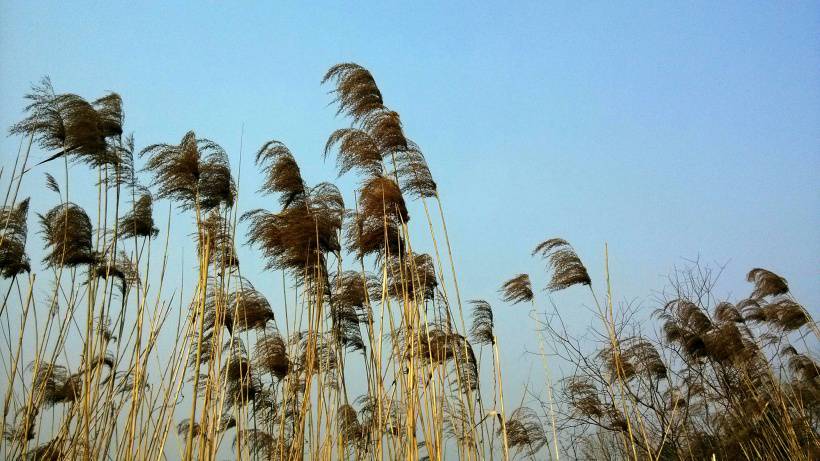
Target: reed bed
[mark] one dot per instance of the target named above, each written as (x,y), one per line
(370,353)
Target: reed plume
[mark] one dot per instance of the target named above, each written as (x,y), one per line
(371,235)
(110,111)
(240,310)
(13,258)
(567,268)
(120,267)
(356,150)
(352,289)
(724,340)
(56,384)
(381,197)
(51,183)
(194,172)
(47,120)
(242,381)
(782,314)
(247,309)
(25,425)
(216,185)
(282,174)
(384,125)
(412,277)
(802,366)
(517,289)
(349,427)
(436,346)
(216,237)
(320,348)
(482,328)
(766,283)
(184,427)
(376,226)
(298,238)
(381,415)
(271,354)
(634,357)
(583,395)
(458,421)
(262,444)
(139,221)
(356,91)
(67,231)
(71,124)
(345,327)
(414,173)
(524,431)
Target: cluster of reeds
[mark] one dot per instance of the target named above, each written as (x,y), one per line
(157,376)
(723,380)
(367,355)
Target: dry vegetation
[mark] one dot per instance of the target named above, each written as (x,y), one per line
(368,355)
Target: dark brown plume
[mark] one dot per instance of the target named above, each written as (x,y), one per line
(567,268)
(636,357)
(298,238)
(248,309)
(366,235)
(263,445)
(282,173)
(139,221)
(411,277)
(782,313)
(524,431)
(72,125)
(56,384)
(67,230)
(356,91)
(53,450)
(482,328)
(414,174)
(25,425)
(216,185)
(356,150)
(271,354)
(584,396)
(381,197)
(349,427)
(241,310)
(193,169)
(517,289)
(109,108)
(13,258)
(242,380)
(436,345)
(352,289)
(216,236)
(384,125)
(345,327)
(120,267)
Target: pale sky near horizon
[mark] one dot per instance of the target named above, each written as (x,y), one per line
(669,131)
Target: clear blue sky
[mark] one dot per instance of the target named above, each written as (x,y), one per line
(667,130)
